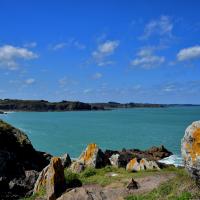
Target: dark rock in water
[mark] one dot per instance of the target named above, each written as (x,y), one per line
(19,162)
(133,185)
(190,149)
(1,112)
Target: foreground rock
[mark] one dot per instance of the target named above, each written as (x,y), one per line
(93,156)
(20,163)
(190,149)
(122,158)
(1,112)
(52,179)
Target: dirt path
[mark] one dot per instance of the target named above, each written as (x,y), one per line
(116,191)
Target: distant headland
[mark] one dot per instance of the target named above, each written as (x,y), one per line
(44,106)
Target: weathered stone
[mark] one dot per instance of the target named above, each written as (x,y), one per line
(136,165)
(77,167)
(114,160)
(52,179)
(148,165)
(133,165)
(133,185)
(55,182)
(93,157)
(66,160)
(19,162)
(41,181)
(190,149)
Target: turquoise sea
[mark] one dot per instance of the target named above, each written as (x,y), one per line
(60,132)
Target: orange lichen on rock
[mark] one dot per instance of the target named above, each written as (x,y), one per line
(194,147)
(89,152)
(196,144)
(131,164)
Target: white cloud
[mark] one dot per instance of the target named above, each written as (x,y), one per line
(162,27)
(30,81)
(169,88)
(10,55)
(97,76)
(103,51)
(59,46)
(189,53)
(147,59)
(70,43)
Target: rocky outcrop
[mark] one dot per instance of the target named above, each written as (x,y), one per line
(190,149)
(121,158)
(66,160)
(52,179)
(93,156)
(1,112)
(77,167)
(136,165)
(20,163)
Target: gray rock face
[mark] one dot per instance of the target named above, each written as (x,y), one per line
(66,160)
(190,149)
(19,163)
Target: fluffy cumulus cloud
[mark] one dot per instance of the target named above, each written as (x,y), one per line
(30,81)
(147,59)
(162,27)
(10,55)
(189,53)
(103,51)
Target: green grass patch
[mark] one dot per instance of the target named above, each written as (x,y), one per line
(182,187)
(41,193)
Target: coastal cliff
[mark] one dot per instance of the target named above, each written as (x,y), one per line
(44,106)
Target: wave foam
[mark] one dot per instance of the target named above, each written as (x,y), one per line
(174,160)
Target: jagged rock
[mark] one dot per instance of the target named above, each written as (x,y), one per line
(136,165)
(133,185)
(41,181)
(154,154)
(93,157)
(55,182)
(77,167)
(17,157)
(114,160)
(190,149)
(148,165)
(52,179)
(66,160)
(133,165)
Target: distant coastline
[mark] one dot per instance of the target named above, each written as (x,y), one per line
(45,106)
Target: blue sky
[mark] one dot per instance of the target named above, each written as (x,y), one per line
(98,51)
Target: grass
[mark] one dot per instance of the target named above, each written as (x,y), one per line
(182,187)
(103,176)
(41,193)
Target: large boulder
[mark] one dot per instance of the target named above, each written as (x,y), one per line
(52,179)
(93,156)
(20,163)
(190,149)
